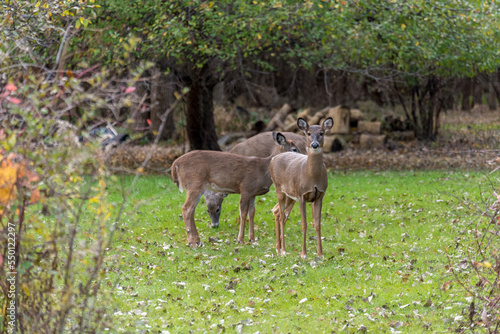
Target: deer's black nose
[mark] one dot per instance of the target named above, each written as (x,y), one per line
(315,145)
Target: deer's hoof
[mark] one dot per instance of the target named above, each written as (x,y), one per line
(304,256)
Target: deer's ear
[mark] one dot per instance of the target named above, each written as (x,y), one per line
(328,123)
(279,138)
(302,124)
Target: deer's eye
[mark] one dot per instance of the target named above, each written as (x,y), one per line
(309,133)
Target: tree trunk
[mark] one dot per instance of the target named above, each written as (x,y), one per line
(467,102)
(495,83)
(477,89)
(200,116)
(162,98)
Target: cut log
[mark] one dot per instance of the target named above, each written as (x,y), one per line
(289,124)
(318,116)
(333,144)
(367,141)
(229,138)
(279,118)
(357,115)
(369,127)
(305,114)
(341,120)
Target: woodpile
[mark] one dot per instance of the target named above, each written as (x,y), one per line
(349,126)
(356,116)
(277,122)
(370,141)
(369,127)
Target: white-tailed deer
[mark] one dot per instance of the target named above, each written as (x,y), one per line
(261,145)
(301,178)
(225,172)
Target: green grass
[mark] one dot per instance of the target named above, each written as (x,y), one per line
(386,235)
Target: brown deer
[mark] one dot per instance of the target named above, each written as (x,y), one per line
(225,172)
(301,178)
(261,145)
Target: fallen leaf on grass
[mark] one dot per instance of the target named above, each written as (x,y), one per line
(395,324)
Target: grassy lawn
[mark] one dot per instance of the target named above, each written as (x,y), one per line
(387,239)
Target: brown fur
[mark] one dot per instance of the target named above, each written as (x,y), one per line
(301,178)
(226,172)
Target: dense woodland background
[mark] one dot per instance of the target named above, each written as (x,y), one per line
(189,71)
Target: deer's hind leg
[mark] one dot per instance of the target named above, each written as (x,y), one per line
(251,216)
(188,211)
(303,216)
(281,212)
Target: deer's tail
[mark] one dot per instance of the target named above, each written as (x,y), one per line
(175,177)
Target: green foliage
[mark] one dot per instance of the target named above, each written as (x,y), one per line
(444,38)
(56,265)
(32,31)
(57,272)
(387,241)
(411,37)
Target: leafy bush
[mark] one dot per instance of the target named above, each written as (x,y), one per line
(478,273)
(51,178)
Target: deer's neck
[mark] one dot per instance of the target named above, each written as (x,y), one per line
(315,164)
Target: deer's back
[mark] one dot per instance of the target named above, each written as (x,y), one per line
(220,171)
(262,145)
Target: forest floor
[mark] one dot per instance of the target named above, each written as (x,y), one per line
(467,140)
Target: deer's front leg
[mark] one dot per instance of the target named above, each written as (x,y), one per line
(251,215)
(316,212)
(244,205)
(303,216)
(188,211)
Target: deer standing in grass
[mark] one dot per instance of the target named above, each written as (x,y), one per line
(225,172)
(261,145)
(301,178)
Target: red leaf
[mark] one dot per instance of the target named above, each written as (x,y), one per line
(149,121)
(129,89)
(14,100)
(10,87)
